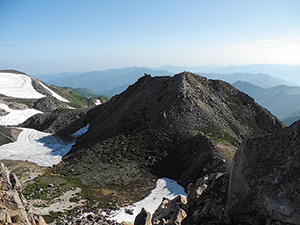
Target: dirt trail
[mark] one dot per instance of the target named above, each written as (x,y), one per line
(59,204)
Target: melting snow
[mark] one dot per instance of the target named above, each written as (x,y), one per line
(165,188)
(18,86)
(54,94)
(41,148)
(98,102)
(15,117)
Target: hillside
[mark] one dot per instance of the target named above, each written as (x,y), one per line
(261,79)
(22,96)
(85,92)
(283,101)
(162,122)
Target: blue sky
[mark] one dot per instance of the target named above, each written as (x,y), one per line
(43,37)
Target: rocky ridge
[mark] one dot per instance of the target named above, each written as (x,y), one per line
(163,122)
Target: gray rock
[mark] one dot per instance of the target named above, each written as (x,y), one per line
(265,175)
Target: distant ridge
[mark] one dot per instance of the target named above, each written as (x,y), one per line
(114,81)
(102,82)
(282,100)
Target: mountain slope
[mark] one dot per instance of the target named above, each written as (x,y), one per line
(281,100)
(278,70)
(260,79)
(22,96)
(162,122)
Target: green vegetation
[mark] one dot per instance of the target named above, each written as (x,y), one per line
(77,101)
(144,147)
(36,189)
(237,107)
(218,135)
(88,93)
(246,120)
(52,216)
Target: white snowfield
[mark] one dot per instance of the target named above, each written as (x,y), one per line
(15,117)
(165,188)
(18,86)
(41,148)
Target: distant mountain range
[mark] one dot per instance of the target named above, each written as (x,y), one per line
(114,81)
(285,72)
(283,101)
(108,82)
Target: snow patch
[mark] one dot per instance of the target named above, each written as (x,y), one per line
(98,102)
(41,148)
(165,188)
(15,117)
(18,86)
(54,94)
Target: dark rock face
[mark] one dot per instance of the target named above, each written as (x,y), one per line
(186,116)
(8,134)
(47,104)
(56,122)
(143,218)
(265,175)
(183,104)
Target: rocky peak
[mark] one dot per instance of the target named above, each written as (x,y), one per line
(185,104)
(163,122)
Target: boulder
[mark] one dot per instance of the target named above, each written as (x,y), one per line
(13,206)
(40,221)
(265,179)
(170,211)
(207,199)
(4,178)
(143,218)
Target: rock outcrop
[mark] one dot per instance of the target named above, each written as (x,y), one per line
(143,218)
(69,121)
(13,206)
(170,211)
(46,104)
(264,184)
(8,134)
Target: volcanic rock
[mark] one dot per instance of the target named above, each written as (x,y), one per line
(264,183)
(163,122)
(143,218)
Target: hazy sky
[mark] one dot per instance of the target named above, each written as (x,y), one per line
(82,35)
